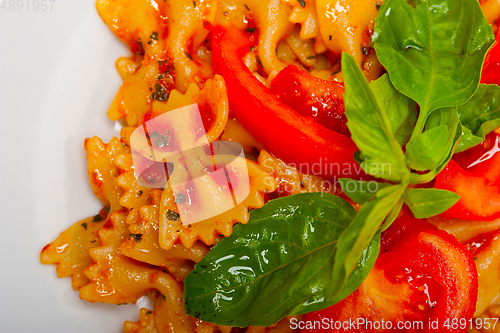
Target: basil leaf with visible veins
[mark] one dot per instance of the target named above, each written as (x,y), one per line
(370,127)
(401,111)
(427,202)
(280,263)
(426,150)
(363,230)
(433,50)
(446,117)
(479,116)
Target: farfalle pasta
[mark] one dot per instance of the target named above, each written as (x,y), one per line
(139,246)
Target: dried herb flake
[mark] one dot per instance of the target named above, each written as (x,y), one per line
(160,93)
(172,216)
(139,42)
(137,237)
(97,218)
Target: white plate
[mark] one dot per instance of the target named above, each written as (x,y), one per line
(57,79)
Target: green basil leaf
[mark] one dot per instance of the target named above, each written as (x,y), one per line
(393,214)
(363,268)
(469,140)
(427,202)
(426,150)
(479,116)
(433,50)
(446,117)
(282,260)
(442,117)
(370,127)
(362,230)
(360,191)
(401,111)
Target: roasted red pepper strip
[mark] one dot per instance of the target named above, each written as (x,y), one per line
(479,199)
(295,139)
(423,280)
(491,67)
(312,97)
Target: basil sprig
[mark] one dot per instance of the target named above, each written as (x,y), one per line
(433,50)
(434,58)
(434,61)
(372,131)
(308,251)
(280,263)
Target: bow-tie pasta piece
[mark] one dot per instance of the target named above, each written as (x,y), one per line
(69,252)
(133,21)
(117,279)
(144,246)
(212,103)
(134,196)
(166,47)
(211,100)
(139,25)
(102,170)
(143,219)
(187,43)
(172,230)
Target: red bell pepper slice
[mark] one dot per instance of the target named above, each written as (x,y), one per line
(312,97)
(479,199)
(424,280)
(297,140)
(491,66)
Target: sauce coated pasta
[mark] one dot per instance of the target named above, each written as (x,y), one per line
(267,71)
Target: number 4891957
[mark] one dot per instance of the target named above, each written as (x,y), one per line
(27,5)
(478,323)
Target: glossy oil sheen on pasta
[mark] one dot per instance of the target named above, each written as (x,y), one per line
(104,255)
